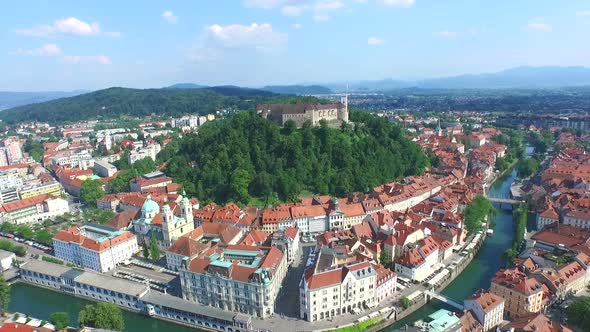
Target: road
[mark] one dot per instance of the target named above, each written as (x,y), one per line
(287,302)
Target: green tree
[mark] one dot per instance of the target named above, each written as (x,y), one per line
(385,260)
(578,313)
(154,248)
(61,320)
(7,227)
(4,294)
(102,316)
(145,250)
(405,302)
(90,191)
(44,236)
(476,212)
(527,167)
(24,231)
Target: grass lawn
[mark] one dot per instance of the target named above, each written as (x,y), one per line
(360,326)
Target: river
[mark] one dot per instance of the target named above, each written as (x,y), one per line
(483,266)
(41,302)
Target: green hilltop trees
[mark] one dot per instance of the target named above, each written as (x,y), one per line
(247,157)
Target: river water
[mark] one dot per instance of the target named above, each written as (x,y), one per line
(40,303)
(483,266)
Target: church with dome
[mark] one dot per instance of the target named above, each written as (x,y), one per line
(167,223)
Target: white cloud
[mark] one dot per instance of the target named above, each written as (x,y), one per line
(318,9)
(293,10)
(399,3)
(264,4)
(375,41)
(321,18)
(447,33)
(248,36)
(81,59)
(583,13)
(538,24)
(69,26)
(170,17)
(328,5)
(45,50)
(297,26)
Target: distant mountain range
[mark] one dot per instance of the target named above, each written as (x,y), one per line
(519,77)
(298,89)
(10,99)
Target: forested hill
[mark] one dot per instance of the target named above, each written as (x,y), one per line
(115,102)
(246,158)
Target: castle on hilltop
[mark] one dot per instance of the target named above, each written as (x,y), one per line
(334,113)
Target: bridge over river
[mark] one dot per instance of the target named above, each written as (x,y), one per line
(431,294)
(504,203)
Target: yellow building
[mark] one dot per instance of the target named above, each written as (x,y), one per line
(52,189)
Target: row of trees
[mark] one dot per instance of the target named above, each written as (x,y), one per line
(476,212)
(520,217)
(248,157)
(101,316)
(39,235)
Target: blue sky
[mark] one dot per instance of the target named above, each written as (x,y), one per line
(67,45)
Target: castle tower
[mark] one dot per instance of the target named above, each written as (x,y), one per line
(343,113)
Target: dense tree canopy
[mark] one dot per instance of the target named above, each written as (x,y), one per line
(578,313)
(527,167)
(61,320)
(102,316)
(476,212)
(91,190)
(246,156)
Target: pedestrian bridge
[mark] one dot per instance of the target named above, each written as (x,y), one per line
(504,200)
(504,203)
(430,295)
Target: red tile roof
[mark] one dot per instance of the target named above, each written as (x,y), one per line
(24,203)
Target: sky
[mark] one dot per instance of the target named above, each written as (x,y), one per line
(86,45)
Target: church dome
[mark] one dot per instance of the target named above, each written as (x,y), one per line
(150,206)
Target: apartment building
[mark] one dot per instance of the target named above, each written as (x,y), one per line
(97,247)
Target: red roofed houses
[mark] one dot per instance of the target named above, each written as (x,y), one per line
(418,263)
(523,295)
(97,247)
(535,323)
(235,278)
